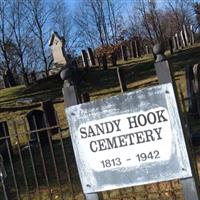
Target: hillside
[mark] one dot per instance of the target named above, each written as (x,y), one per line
(98,83)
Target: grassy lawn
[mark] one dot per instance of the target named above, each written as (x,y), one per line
(99,83)
(139,73)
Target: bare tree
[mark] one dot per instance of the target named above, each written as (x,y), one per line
(99,21)
(62,22)
(141,7)
(21,33)
(39,15)
(154,20)
(7,48)
(181,12)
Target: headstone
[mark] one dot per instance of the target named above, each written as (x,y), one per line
(6,142)
(57,44)
(104,62)
(33,77)
(191,35)
(185,35)
(124,52)
(174,43)
(25,78)
(146,49)
(114,59)
(36,122)
(177,40)
(129,52)
(182,40)
(91,57)
(50,114)
(133,49)
(171,45)
(99,60)
(84,58)
(9,79)
(138,48)
(5,81)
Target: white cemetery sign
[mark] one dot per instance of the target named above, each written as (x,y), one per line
(131,139)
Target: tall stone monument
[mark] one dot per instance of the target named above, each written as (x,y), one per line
(57,44)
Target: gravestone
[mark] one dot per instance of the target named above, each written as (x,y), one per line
(5,143)
(104,62)
(114,59)
(138,48)
(8,78)
(25,78)
(33,77)
(50,114)
(177,40)
(133,49)
(91,57)
(5,81)
(129,52)
(147,49)
(124,52)
(84,58)
(174,43)
(36,121)
(183,45)
(185,35)
(191,35)
(57,44)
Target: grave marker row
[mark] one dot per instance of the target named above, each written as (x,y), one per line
(88,58)
(182,39)
(133,49)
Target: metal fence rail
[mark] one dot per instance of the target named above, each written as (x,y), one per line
(47,169)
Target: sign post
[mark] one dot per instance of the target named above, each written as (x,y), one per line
(165,75)
(70,99)
(118,144)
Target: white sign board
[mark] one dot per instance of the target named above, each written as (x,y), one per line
(131,139)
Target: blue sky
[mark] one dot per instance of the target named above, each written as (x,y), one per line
(72,3)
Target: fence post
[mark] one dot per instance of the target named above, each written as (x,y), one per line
(122,83)
(165,75)
(71,98)
(3,176)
